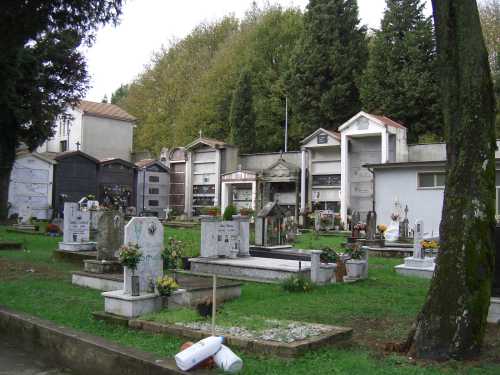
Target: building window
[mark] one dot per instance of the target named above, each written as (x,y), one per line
(64,146)
(431,180)
(154,178)
(322,139)
(153,203)
(326,180)
(203,189)
(154,190)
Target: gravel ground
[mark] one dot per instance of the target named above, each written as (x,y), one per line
(285,332)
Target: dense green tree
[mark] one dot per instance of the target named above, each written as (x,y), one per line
(452,321)
(401,78)
(42,69)
(119,94)
(158,97)
(242,116)
(189,87)
(327,64)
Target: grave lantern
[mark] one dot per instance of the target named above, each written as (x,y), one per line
(269,226)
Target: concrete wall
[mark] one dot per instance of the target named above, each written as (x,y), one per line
(107,138)
(401,183)
(257,162)
(427,152)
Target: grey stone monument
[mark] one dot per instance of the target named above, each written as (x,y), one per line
(76,235)
(147,233)
(404,226)
(109,239)
(371,225)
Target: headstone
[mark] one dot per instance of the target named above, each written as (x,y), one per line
(404,226)
(371,225)
(76,223)
(219,238)
(418,236)
(244,247)
(110,235)
(147,233)
(315,265)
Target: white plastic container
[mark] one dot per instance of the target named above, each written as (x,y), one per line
(226,360)
(197,353)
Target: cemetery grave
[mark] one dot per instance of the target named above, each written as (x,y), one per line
(368,307)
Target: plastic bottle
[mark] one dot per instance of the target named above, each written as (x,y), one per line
(190,357)
(226,360)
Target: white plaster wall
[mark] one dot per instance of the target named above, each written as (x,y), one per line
(425,204)
(107,138)
(75,135)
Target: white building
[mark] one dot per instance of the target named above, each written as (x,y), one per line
(101,130)
(30,189)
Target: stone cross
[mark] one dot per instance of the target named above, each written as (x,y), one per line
(147,233)
(109,235)
(76,223)
(417,238)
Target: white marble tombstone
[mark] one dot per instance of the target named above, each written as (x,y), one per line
(76,224)
(220,238)
(417,238)
(147,233)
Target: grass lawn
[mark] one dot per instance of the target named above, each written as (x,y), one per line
(379,309)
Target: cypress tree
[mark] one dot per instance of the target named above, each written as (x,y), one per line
(327,62)
(242,115)
(400,79)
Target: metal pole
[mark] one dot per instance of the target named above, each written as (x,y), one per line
(286,124)
(214,302)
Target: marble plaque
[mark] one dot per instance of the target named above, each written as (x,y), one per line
(147,233)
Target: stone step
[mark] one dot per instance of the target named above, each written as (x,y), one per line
(252,268)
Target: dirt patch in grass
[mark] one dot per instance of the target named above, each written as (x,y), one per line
(15,270)
(374,335)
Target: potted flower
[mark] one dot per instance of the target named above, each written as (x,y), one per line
(166,285)
(53,230)
(129,257)
(246,212)
(173,254)
(429,246)
(213,211)
(355,266)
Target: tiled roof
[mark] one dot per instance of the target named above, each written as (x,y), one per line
(144,162)
(105,110)
(387,121)
(214,143)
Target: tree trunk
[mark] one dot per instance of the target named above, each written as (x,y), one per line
(8,144)
(452,321)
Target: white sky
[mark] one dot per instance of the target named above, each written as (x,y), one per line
(120,53)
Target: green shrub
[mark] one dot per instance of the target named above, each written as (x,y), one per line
(329,255)
(297,284)
(229,212)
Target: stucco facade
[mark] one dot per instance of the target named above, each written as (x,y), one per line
(101,130)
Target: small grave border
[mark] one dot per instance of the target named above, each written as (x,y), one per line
(261,347)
